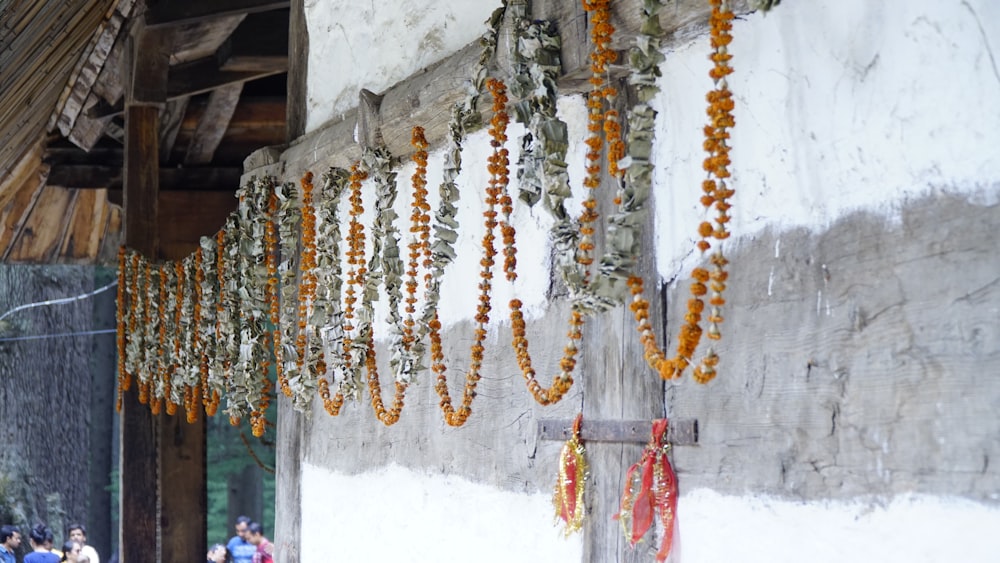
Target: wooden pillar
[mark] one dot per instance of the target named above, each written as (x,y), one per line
(298,71)
(137,538)
(163,493)
(618,385)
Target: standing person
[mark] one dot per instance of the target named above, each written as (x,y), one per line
(40,554)
(10,540)
(239,548)
(265,550)
(78,533)
(70,552)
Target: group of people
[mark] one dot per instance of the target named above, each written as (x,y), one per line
(42,540)
(248,545)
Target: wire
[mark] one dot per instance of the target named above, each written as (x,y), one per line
(58,335)
(59,301)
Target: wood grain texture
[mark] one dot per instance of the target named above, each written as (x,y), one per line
(213,124)
(38,238)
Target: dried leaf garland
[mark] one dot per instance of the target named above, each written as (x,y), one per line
(650,491)
(573,472)
(329,308)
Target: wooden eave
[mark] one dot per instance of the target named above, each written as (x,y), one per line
(62,131)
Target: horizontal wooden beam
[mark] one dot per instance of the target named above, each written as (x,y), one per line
(195,178)
(84,175)
(260,43)
(683,432)
(427,96)
(180,12)
(205,75)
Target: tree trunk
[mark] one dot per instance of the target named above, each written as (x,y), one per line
(45,397)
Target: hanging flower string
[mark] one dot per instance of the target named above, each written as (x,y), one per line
(568,496)
(716,193)
(651,489)
(498,174)
(120,319)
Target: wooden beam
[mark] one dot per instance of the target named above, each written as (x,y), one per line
(138,496)
(260,43)
(213,124)
(180,12)
(298,72)
(204,75)
(150,61)
(94,176)
(83,175)
(170,123)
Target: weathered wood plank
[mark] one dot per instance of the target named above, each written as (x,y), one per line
(112,238)
(680,432)
(213,124)
(85,228)
(79,87)
(170,124)
(150,63)
(17,210)
(298,71)
(27,166)
(39,239)
(180,12)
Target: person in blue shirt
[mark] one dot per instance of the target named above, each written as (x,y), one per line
(10,540)
(239,548)
(39,535)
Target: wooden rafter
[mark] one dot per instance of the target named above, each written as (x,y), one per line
(213,124)
(180,12)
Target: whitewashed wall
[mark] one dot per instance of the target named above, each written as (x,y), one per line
(842,106)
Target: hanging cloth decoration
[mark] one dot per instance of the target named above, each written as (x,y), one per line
(650,487)
(568,497)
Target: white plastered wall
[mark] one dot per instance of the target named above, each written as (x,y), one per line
(842,105)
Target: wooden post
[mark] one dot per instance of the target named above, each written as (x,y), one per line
(618,385)
(162,459)
(138,491)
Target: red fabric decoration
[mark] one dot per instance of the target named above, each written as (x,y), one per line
(650,488)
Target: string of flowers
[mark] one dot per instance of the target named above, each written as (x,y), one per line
(306,363)
(228,316)
(271,292)
(601,32)
(248,391)
(328,308)
(136,304)
(186,374)
(497,131)
(384,266)
(150,325)
(208,282)
(716,193)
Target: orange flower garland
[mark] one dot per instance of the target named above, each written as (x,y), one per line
(147,365)
(156,401)
(271,290)
(210,397)
(192,395)
(601,57)
(498,175)
(419,246)
(355,259)
(717,193)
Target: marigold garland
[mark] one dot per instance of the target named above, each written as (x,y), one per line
(498,175)
(273,301)
(120,314)
(715,193)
